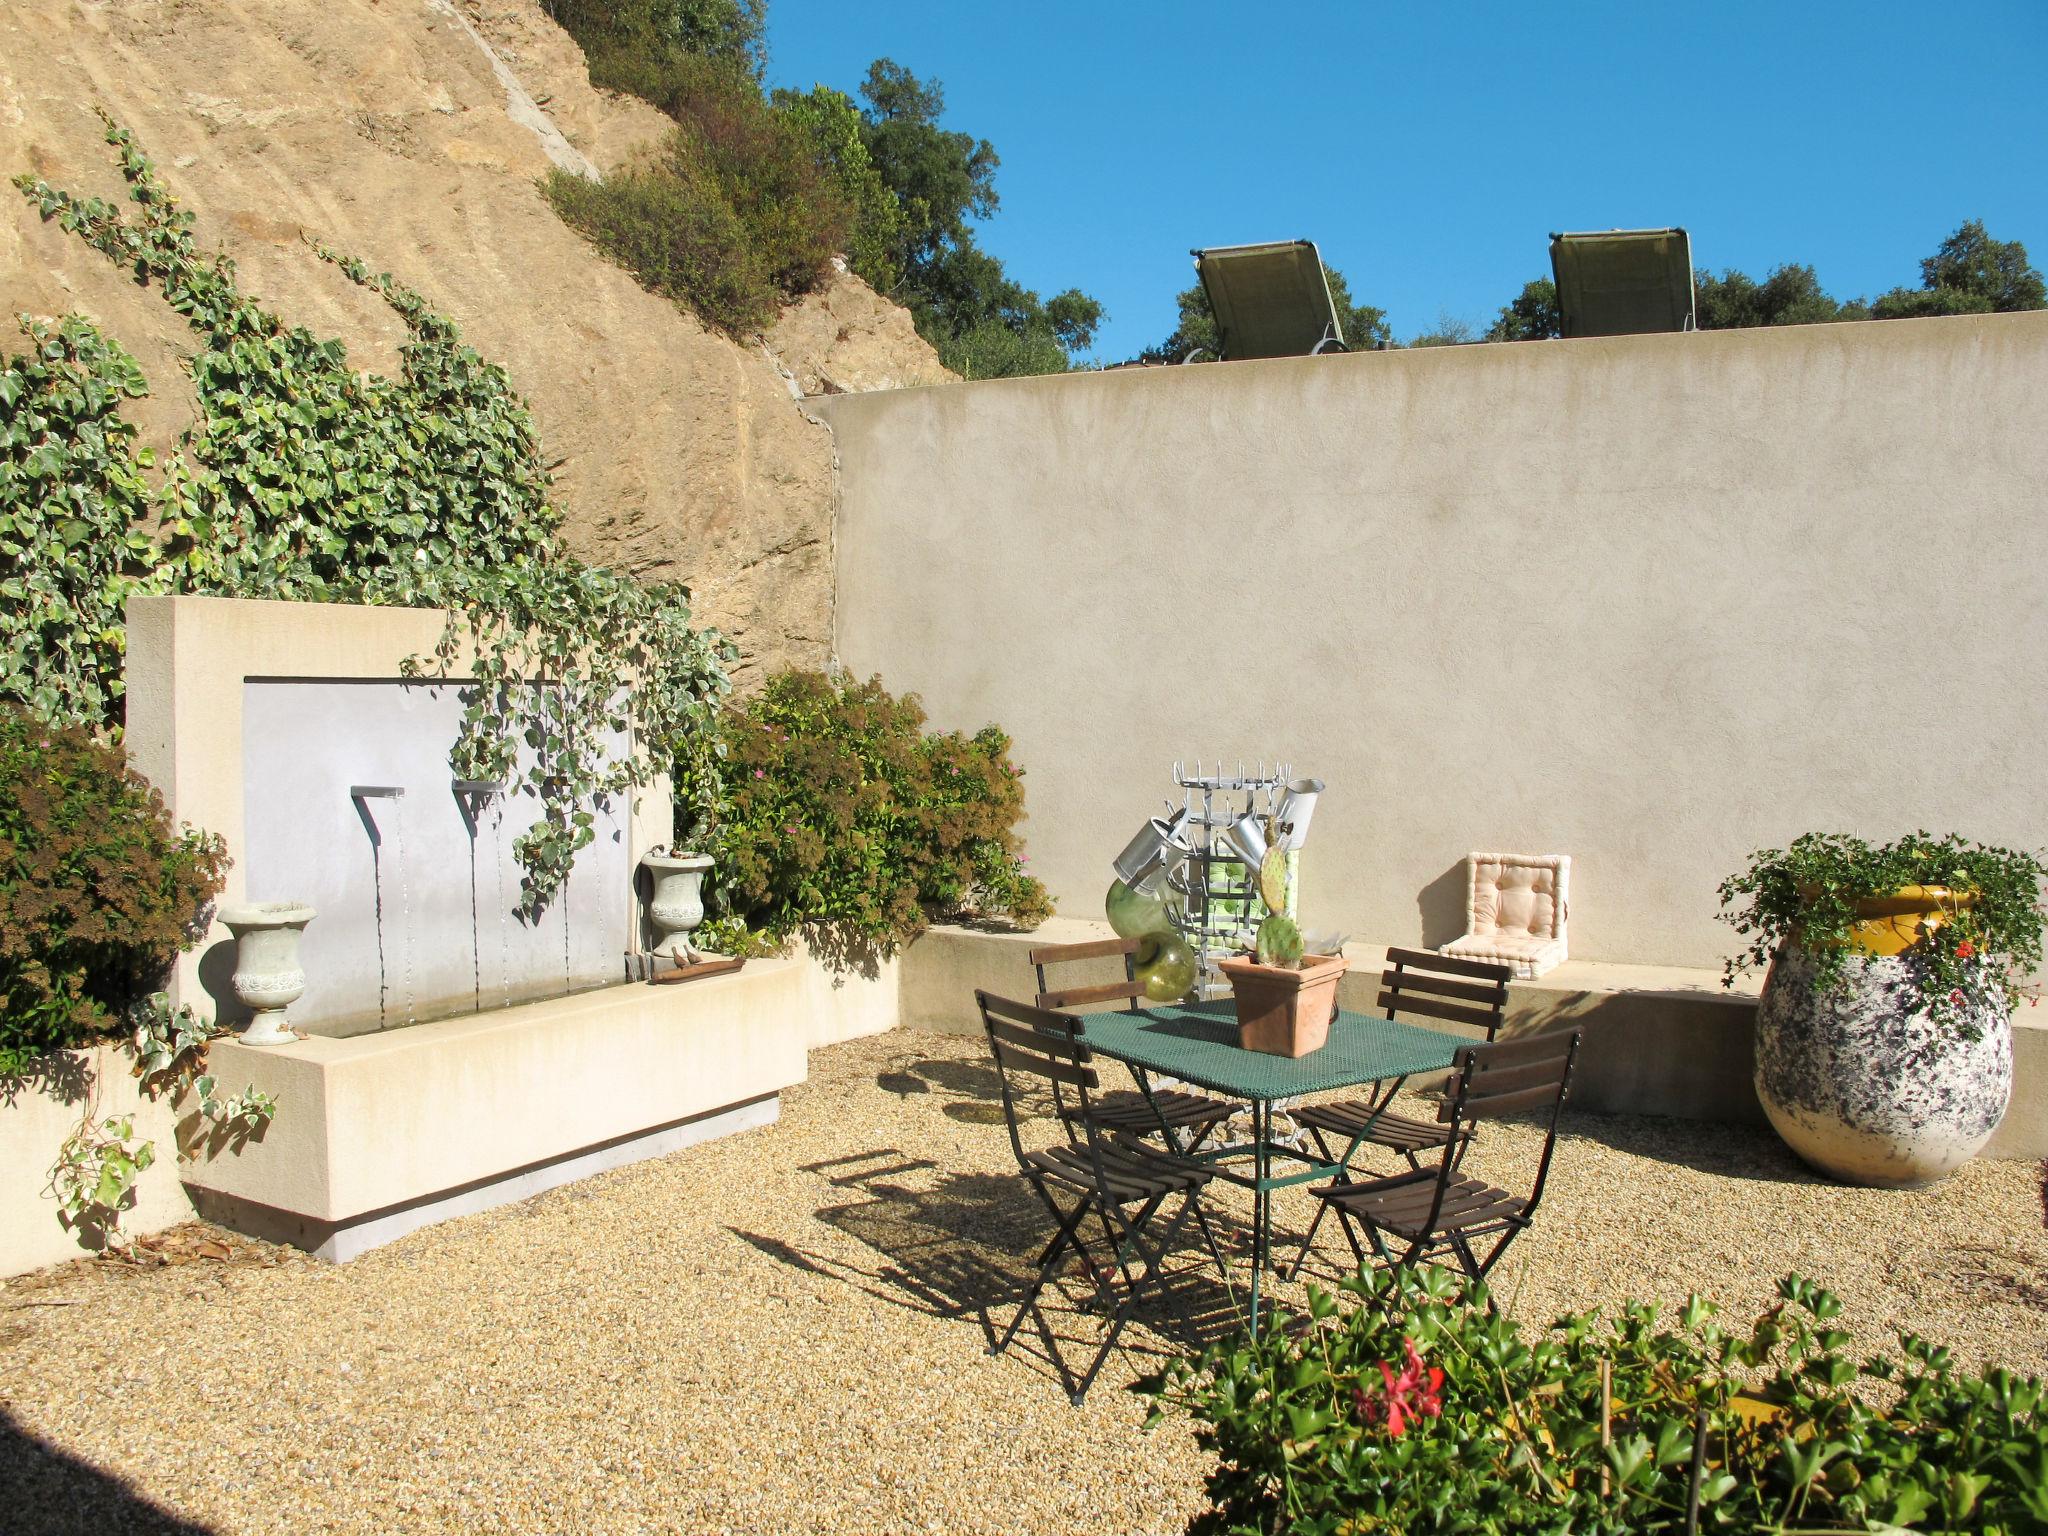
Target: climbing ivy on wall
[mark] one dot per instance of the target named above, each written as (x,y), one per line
(302,478)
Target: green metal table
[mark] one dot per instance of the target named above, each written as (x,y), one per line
(1198,1044)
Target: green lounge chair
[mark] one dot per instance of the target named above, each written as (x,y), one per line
(1623,282)
(1269,300)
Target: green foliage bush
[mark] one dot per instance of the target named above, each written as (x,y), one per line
(74,511)
(1423,1410)
(835,128)
(305,479)
(838,810)
(736,212)
(98,891)
(1806,895)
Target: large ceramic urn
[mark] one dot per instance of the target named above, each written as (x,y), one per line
(676,907)
(1860,1079)
(268,977)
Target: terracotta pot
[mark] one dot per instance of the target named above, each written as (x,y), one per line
(1284,1012)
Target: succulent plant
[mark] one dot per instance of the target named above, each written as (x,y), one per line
(1279,943)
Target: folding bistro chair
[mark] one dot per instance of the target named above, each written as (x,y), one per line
(1184,1119)
(1431,1211)
(1473,992)
(1118,1182)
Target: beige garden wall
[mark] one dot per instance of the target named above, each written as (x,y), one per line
(1649,601)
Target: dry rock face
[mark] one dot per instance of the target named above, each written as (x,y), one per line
(411,133)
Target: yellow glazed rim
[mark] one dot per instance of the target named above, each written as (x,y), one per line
(1890,925)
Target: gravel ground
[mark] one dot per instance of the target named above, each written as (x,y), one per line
(785,1331)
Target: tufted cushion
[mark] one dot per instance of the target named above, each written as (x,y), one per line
(1516,906)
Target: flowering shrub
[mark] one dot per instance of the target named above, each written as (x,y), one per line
(834,807)
(98,891)
(1423,1410)
(1806,896)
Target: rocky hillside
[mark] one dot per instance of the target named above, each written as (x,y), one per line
(410,133)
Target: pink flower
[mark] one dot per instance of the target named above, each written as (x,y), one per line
(760,773)
(1955,998)
(1416,1392)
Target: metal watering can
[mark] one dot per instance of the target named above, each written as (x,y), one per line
(1158,847)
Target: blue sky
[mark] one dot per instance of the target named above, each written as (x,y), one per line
(1430,148)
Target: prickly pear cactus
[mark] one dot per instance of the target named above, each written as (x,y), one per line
(1279,942)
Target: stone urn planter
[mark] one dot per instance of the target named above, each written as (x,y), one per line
(1863,1083)
(268,976)
(676,908)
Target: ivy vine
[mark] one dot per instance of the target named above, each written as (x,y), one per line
(304,479)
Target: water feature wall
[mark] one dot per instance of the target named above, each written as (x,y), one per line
(349,805)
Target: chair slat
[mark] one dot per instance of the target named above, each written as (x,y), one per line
(1512,1079)
(1437,1008)
(1492,994)
(1030,1059)
(1094,949)
(1509,1103)
(1455,965)
(1063,1046)
(1027,1014)
(1523,1048)
(1104,992)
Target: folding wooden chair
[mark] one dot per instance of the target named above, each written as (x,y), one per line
(1433,1210)
(1184,1119)
(1119,1182)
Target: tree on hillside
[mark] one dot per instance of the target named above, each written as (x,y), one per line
(958,293)
(1969,274)
(1532,316)
(1449,331)
(1362,326)
(833,124)
(733,31)
(1791,295)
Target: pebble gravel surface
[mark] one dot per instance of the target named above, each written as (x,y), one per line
(786,1330)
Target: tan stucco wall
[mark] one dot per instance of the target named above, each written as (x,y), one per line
(1650,601)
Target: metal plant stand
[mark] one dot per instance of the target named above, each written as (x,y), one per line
(1219,912)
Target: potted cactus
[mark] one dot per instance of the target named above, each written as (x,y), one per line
(1285,998)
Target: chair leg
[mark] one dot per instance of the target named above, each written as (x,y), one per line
(1147,1278)
(1069,1226)
(1215,1247)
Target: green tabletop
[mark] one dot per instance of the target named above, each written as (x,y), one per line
(1198,1045)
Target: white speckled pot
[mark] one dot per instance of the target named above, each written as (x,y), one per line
(1864,1086)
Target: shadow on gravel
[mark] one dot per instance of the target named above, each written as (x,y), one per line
(49,1492)
(1730,1151)
(966,1246)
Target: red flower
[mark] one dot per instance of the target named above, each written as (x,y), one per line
(1416,1392)
(1965,950)
(1955,998)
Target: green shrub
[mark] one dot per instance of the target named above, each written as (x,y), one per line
(305,479)
(1422,1410)
(734,213)
(1806,896)
(98,891)
(833,124)
(838,810)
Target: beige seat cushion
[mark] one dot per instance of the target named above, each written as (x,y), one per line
(1516,906)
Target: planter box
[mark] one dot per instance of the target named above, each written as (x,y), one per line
(1284,1012)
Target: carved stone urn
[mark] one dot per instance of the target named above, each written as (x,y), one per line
(1864,1085)
(268,976)
(677,905)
